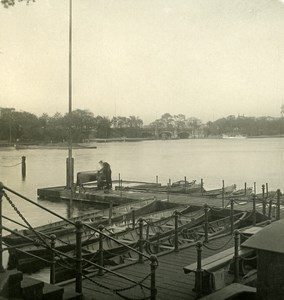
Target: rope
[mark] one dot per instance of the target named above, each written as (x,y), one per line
(238,203)
(11,165)
(219,248)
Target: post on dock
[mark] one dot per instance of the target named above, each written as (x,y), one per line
(154,266)
(101,250)
(198,274)
(69,173)
(79,232)
(176,230)
(140,260)
(223,193)
(201,186)
(206,223)
(133,218)
(254,187)
(263,191)
(232,215)
(270,209)
(110,212)
(245,188)
(254,208)
(52,259)
(169,190)
(236,256)
(1,246)
(263,200)
(278,205)
(267,190)
(24,169)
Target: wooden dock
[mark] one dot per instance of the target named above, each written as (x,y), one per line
(171,281)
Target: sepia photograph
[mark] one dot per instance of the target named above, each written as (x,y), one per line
(142,149)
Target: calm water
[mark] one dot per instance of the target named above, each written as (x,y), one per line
(235,161)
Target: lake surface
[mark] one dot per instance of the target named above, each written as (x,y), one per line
(232,160)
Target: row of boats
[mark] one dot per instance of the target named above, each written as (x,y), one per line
(119,223)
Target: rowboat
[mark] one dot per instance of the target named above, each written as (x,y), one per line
(157,236)
(67,242)
(94,218)
(181,186)
(217,192)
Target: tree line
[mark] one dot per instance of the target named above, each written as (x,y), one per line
(82,125)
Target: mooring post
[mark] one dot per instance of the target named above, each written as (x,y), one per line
(176,231)
(154,265)
(24,167)
(110,212)
(206,223)
(79,231)
(232,215)
(245,188)
(270,209)
(267,190)
(263,190)
(1,246)
(236,256)
(52,259)
(223,194)
(254,187)
(168,190)
(133,218)
(140,240)
(185,187)
(263,200)
(278,205)
(198,274)
(254,208)
(101,250)
(201,186)
(119,187)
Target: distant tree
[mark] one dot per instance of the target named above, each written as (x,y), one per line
(8,3)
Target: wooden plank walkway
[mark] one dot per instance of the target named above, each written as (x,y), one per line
(171,282)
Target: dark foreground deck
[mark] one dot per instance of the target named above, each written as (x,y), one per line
(171,281)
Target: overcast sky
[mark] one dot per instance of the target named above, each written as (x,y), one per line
(205,58)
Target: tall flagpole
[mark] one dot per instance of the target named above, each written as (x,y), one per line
(70,163)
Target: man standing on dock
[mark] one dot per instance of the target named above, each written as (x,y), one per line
(104,175)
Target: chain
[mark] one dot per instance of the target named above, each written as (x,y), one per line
(219,248)
(37,241)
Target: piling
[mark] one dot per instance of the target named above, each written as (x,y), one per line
(223,193)
(236,256)
(101,251)
(24,169)
(254,187)
(278,205)
(254,208)
(176,231)
(153,265)
(79,232)
(232,215)
(206,223)
(263,191)
(198,278)
(202,184)
(267,190)
(52,259)
(245,188)
(185,187)
(270,209)
(140,240)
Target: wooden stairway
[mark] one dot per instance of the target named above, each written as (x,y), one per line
(16,286)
